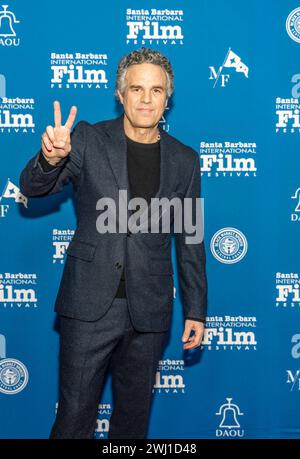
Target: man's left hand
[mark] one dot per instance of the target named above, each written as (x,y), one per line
(195,340)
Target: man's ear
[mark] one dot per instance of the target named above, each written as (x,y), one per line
(120,97)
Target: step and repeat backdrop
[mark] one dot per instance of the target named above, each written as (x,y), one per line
(236,102)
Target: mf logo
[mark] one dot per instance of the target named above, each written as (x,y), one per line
(231,60)
(11,191)
(293,378)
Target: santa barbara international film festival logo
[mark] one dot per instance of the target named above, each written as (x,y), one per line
(230,420)
(102,421)
(288,109)
(293,25)
(293,375)
(154,27)
(169,377)
(13,372)
(233,61)
(18,291)
(78,70)
(8,22)
(287,288)
(229,245)
(16,113)
(61,239)
(230,333)
(228,159)
(10,191)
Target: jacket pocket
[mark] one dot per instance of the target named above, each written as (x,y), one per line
(81,249)
(160,266)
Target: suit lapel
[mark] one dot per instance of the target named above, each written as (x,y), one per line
(116,148)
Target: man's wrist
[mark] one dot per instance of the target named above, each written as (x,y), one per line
(45,165)
(50,161)
(196,318)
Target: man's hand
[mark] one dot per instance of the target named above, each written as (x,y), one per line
(196,339)
(56,141)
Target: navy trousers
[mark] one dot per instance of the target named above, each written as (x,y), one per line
(87,351)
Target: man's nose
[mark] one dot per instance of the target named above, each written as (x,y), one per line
(146,97)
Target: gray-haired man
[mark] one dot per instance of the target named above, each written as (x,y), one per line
(116,293)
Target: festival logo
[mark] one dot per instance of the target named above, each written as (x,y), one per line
(18,290)
(288,109)
(13,373)
(293,25)
(295,216)
(288,119)
(16,113)
(230,333)
(152,26)
(292,379)
(169,377)
(11,191)
(8,35)
(231,61)
(228,159)
(230,423)
(229,245)
(60,242)
(13,376)
(287,286)
(102,423)
(78,70)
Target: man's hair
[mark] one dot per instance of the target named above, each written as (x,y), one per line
(141,56)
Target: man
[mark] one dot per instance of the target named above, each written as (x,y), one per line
(116,292)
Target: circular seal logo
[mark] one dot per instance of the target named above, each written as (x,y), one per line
(13,376)
(293,25)
(229,245)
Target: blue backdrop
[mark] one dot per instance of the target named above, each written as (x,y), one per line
(235,102)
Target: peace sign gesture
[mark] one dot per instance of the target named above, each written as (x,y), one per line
(56,141)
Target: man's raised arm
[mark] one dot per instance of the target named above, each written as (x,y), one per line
(59,159)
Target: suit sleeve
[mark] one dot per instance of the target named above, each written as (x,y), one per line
(195,318)
(45,165)
(191,257)
(39,179)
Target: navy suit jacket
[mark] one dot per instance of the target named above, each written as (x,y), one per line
(97,167)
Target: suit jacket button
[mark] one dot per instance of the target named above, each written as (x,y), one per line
(118,265)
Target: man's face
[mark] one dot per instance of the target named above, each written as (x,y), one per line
(145,95)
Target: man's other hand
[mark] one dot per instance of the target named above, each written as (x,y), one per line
(195,340)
